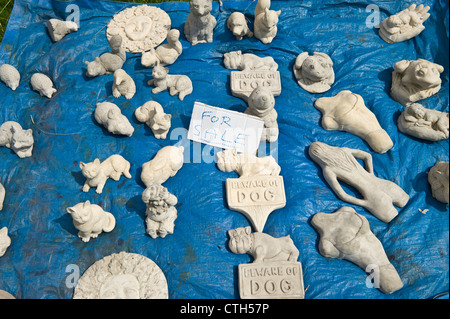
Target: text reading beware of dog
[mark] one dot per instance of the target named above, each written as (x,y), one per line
(225,129)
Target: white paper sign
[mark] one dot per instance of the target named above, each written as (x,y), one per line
(225,129)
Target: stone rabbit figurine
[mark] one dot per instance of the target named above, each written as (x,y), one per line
(200,24)
(152,114)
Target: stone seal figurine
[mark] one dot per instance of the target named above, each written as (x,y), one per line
(179,85)
(346,234)
(97,173)
(266,20)
(58,29)
(236,60)
(237,24)
(42,84)
(152,114)
(200,23)
(10,76)
(405,24)
(91,220)
(166,163)
(438,178)
(314,73)
(109,115)
(165,54)
(161,212)
(14,137)
(108,62)
(413,81)
(5,241)
(123,85)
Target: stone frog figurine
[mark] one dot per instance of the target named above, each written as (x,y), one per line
(413,81)
(161,212)
(314,73)
(97,173)
(247,165)
(237,24)
(108,62)
(109,115)
(346,234)
(10,76)
(91,220)
(5,241)
(176,84)
(166,163)
(200,23)
(235,60)
(123,85)
(42,84)
(266,20)
(152,114)
(262,247)
(58,29)
(438,178)
(14,137)
(165,54)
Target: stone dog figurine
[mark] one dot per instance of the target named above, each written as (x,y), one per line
(314,73)
(238,25)
(261,246)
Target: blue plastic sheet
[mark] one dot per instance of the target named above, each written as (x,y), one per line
(196,259)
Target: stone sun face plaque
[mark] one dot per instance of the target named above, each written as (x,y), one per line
(142,28)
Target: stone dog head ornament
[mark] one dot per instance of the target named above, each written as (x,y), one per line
(314,73)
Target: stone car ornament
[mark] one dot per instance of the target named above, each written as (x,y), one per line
(110,116)
(123,85)
(108,62)
(274,273)
(42,84)
(14,137)
(200,23)
(237,24)
(58,29)
(346,234)
(405,24)
(314,73)
(179,85)
(122,276)
(166,163)
(10,76)
(339,164)
(266,20)
(152,114)
(165,54)
(347,112)
(438,178)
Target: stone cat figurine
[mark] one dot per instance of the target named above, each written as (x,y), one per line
(14,137)
(5,241)
(97,172)
(108,62)
(200,24)
(165,54)
(266,20)
(90,220)
(152,114)
(176,84)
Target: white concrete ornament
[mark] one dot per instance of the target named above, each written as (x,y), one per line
(274,273)
(152,114)
(165,54)
(108,62)
(14,137)
(58,29)
(42,84)
(141,27)
(5,241)
(6,295)
(110,116)
(2,195)
(346,234)
(91,220)
(236,60)
(423,123)
(200,23)
(339,164)
(314,73)
(347,112)
(123,85)
(10,76)
(122,276)
(438,178)
(179,85)
(405,24)
(413,81)
(166,163)
(237,24)
(266,20)
(97,173)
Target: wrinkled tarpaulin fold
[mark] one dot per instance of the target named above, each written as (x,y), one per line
(196,259)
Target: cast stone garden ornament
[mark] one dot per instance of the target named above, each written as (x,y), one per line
(109,115)
(236,60)
(42,84)
(339,164)
(142,27)
(5,241)
(122,276)
(314,73)
(405,24)
(152,114)
(10,76)
(108,62)
(237,24)
(347,112)
(2,195)
(266,20)
(413,81)
(200,23)
(58,29)
(14,137)
(438,178)
(97,173)
(123,85)
(6,295)
(179,85)
(91,220)
(166,163)
(165,54)
(345,234)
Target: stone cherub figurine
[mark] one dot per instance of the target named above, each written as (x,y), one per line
(165,54)
(438,178)
(108,62)
(14,137)
(237,24)
(161,212)
(109,115)
(152,114)
(314,73)
(346,234)
(266,20)
(424,123)
(200,24)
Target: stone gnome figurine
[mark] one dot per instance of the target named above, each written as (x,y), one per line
(14,137)
(237,23)
(346,234)
(108,62)
(161,212)
(266,20)
(152,114)
(58,29)
(200,24)
(10,76)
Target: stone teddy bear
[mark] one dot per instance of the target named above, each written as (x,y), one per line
(152,114)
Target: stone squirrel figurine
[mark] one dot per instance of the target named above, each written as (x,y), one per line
(237,24)
(123,85)
(5,240)
(10,76)
(166,163)
(263,247)
(108,62)
(91,220)
(97,173)
(248,62)
(58,29)
(176,84)
(109,115)
(152,114)
(42,84)
(13,136)
(266,20)
(165,54)
(200,24)
(314,73)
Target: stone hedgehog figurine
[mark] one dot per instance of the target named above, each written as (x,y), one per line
(10,76)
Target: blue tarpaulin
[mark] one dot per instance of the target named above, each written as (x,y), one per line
(196,259)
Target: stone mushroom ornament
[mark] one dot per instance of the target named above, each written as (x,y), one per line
(165,54)
(266,20)
(109,115)
(5,241)
(314,73)
(413,81)
(14,137)
(346,234)
(152,114)
(405,24)
(58,29)
(237,24)
(10,76)
(123,85)
(438,178)
(42,84)
(108,62)
(200,23)
(166,163)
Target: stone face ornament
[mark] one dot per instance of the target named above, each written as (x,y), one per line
(122,276)
(314,73)
(141,27)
